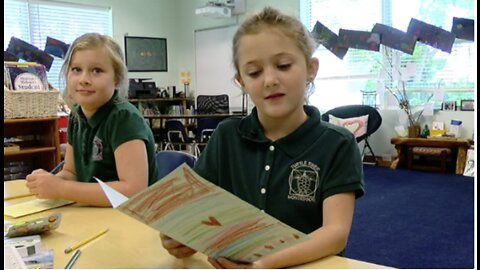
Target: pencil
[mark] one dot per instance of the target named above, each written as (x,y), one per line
(59,165)
(73,259)
(81,243)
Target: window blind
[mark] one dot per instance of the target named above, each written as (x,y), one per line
(33,21)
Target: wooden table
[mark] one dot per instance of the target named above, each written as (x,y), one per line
(128,243)
(457,145)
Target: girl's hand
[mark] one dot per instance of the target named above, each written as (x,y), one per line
(176,248)
(222,263)
(44,184)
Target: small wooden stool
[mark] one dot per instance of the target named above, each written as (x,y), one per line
(441,153)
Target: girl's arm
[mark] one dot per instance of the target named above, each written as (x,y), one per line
(328,240)
(68,171)
(132,167)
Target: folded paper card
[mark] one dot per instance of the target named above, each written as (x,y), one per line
(33,206)
(207,218)
(19,189)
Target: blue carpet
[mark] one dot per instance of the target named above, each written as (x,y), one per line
(414,219)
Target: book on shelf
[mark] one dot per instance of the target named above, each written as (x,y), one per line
(25,76)
(10,147)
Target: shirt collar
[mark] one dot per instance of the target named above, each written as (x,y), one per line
(101,113)
(294,143)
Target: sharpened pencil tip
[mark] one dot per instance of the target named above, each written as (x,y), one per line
(67,250)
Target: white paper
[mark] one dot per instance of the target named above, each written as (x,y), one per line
(380,88)
(438,95)
(410,70)
(403,118)
(11,258)
(116,198)
(428,109)
(437,125)
(391,101)
(470,164)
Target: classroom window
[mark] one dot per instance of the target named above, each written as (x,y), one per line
(339,82)
(33,21)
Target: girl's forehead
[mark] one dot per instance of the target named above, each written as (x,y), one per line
(95,53)
(269,30)
(262,37)
(266,42)
(95,49)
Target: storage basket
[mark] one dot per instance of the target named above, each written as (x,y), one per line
(29,104)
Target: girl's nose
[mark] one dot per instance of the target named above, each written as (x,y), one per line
(84,78)
(270,78)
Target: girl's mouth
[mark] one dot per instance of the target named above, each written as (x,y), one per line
(275,96)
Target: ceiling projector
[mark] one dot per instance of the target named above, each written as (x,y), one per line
(214,11)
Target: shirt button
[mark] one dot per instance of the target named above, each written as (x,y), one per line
(263,211)
(263,191)
(271,148)
(267,167)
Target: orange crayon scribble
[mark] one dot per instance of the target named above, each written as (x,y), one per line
(163,198)
(234,233)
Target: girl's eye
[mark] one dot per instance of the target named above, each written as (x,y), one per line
(253,74)
(75,69)
(284,66)
(96,70)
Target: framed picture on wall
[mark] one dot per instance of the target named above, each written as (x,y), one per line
(146,53)
(467,105)
(449,106)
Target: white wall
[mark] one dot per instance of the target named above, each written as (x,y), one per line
(176,21)
(149,18)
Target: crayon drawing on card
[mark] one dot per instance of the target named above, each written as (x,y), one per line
(209,219)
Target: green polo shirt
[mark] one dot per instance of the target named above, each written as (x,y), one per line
(288,178)
(95,140)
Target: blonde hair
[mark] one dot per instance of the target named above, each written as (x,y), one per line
(95,40)
(273,19)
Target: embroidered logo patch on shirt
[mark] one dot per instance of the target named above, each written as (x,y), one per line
(303,181)
(97,149)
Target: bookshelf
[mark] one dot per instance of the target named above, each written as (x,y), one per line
(155,106)
(163,106)
(39,145)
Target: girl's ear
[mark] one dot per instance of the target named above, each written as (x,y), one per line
(238,80)
(313,68)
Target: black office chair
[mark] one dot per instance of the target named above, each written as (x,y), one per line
(176,136)
(213,104)
(349,111)
(168,161)
(205,128)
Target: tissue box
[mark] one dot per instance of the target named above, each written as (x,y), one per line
(455,128)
